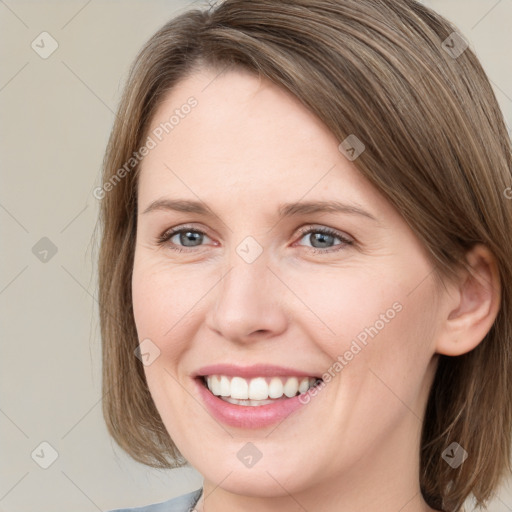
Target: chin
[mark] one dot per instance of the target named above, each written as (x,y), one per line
(264,480)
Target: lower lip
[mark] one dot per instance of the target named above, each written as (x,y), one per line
(244,416)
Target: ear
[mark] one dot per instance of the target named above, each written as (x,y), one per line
(472,304)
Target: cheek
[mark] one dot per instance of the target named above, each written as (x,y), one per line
(366,320)
(163,300)
(393,341)
(335,306)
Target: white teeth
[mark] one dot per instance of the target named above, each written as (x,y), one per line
(259,390)
(304,385)
(215,382)
(239,388)
(225,386)
(275,389)
(291,387)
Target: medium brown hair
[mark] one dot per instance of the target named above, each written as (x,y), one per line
(436,147)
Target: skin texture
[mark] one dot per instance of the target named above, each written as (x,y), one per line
(247,147)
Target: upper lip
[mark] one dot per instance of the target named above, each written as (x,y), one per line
(256,370)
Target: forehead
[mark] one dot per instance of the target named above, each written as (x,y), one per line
(247,109)
(248,135)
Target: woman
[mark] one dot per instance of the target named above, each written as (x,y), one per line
(305,264)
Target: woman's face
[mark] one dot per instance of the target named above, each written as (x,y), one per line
(257,295)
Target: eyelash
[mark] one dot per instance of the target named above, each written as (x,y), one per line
(164,238)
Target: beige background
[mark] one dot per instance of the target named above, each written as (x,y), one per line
(55,117)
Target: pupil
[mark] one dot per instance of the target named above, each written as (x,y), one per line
(189,236)
(320,237)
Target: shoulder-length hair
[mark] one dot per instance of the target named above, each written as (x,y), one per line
(401,79)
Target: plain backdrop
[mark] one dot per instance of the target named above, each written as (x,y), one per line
(56,112)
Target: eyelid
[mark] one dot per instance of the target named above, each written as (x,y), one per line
(320,227)
(169,233)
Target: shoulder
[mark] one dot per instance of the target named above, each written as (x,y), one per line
(182,503)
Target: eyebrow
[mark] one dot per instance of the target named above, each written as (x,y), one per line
(284,210)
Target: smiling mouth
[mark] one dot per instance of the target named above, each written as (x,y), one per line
(259,390)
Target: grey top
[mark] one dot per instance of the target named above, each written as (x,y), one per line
(183,503)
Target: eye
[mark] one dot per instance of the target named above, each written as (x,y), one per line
(324,237)
(188,236)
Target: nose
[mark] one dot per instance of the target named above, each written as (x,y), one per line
(247,304)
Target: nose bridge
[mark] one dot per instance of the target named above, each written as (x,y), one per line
(246,300)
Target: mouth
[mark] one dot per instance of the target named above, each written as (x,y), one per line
(257,391)
(257,396)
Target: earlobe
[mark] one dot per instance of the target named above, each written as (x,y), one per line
(472,309)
